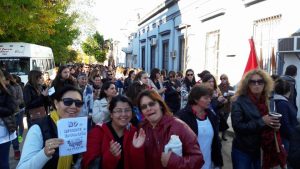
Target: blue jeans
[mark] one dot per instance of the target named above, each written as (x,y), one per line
(4,155)
(241,160)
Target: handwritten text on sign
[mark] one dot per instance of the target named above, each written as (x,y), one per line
(74,133)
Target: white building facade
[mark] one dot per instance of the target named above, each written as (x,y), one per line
(213,35)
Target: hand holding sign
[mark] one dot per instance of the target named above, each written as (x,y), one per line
(74,133)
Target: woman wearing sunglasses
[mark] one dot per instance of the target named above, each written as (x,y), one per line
(116,142)
(40,149)
(187,84)
(159,125)
(253,126)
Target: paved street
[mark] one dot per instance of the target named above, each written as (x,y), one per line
(226,150)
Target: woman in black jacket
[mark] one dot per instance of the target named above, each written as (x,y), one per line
(7,122)
(204,122)
(253,126)
(34,95)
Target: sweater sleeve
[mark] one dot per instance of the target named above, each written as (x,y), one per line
(33,155)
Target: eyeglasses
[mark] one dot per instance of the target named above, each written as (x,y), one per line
(119,111)
(109,74)
(150,104)
(190,74)
(257,82)
(70,101)
(223,78)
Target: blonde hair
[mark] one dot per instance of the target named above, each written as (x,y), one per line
(244,83)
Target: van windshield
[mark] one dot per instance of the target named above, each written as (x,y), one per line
(19,66)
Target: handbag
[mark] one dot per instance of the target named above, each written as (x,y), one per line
(37,113)
(10,123)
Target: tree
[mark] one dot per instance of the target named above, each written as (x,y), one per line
(96,46)
(43,22)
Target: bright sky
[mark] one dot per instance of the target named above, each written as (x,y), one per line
(117,18)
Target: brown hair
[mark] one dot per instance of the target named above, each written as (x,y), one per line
(153,95)
(244,83)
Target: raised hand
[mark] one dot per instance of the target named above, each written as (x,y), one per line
(139,140)
(115,148)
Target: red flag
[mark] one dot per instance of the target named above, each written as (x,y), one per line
(252,60)
(273,61)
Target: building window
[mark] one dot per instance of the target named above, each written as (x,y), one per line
(165,54)
(181,65)
(212,51)
(152,56)
(143,57)
(265,36)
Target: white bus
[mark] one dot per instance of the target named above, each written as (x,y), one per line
(19,58)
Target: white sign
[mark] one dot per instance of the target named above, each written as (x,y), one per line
(74,133)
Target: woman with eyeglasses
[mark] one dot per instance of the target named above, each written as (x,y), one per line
(187,84)
(100,108)
(254,127)
(40,149)
(159,125)
(116,143)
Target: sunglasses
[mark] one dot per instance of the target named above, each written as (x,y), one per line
(109,74)
(70,101)
(150,104)
(190,74)
(257,82)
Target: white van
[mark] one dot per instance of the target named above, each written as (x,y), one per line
(19,58)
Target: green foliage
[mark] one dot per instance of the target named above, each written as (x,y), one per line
(95,46)
(43,22)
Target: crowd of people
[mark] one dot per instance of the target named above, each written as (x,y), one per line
(152,121)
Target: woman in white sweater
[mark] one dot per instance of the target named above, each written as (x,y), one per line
(100,108)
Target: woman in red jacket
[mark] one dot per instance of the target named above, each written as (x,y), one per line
(159,126)
(116,143)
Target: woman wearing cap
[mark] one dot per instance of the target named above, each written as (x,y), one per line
(40,149)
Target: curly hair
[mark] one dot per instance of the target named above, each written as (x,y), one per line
(244,83)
